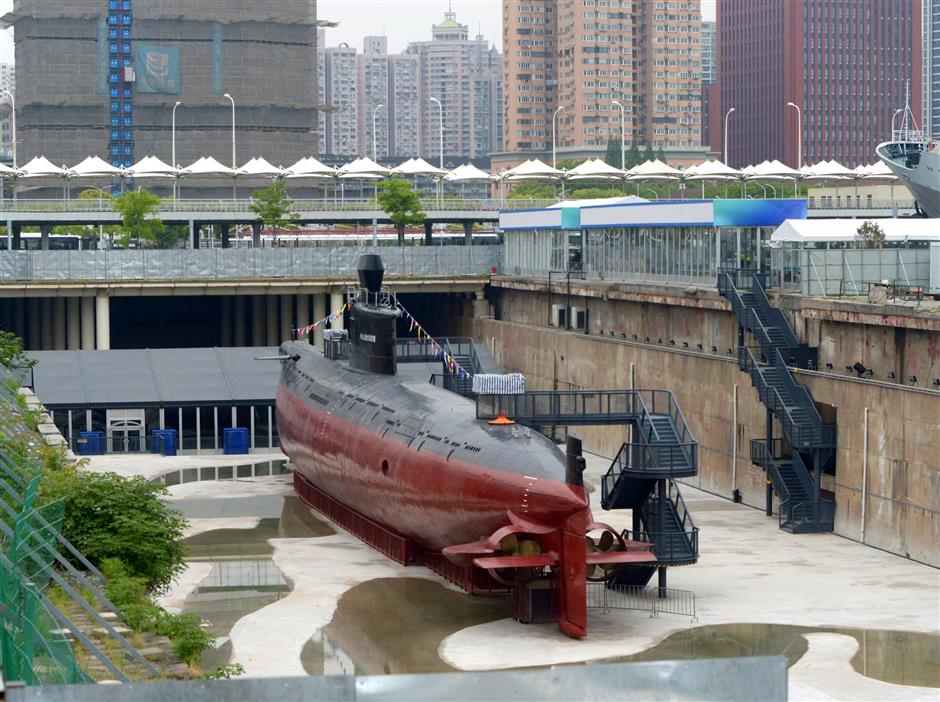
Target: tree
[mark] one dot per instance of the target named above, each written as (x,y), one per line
(613,153)
(634,157)
(401,203)
(870,235)
(109,516)
(11,352)
(273,207)
(170,236)
(648,153)
(138,214)
(532,191)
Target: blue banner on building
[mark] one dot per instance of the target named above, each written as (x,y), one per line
(158,69)
(757,213)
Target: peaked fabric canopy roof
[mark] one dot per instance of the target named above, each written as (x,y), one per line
(595,169)
(465,173)
(711,170)
(419,167)
(5,170)
(95,167)
(41,167)
(260,168)
(207,166)
(653,170)
(829,170)
(875,171)
(309,167)
(533,169)
(363,168)
(152,167)
(771,170)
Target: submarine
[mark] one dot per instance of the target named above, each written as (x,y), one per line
(413,458)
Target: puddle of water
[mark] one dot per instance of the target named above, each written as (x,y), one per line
(395,626)
(243,578)
(898,657)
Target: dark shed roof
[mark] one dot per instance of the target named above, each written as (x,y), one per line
(153,377)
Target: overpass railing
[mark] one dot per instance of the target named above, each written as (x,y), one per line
(234,264)
(243,206)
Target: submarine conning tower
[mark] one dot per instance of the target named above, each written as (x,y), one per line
(373,316)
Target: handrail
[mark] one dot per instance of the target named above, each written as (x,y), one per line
(795,390)
(807,512)
(664,547)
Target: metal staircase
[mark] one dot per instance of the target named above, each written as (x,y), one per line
(642,475)
(795,462)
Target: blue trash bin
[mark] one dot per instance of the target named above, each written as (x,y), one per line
(91,443)
(235,441)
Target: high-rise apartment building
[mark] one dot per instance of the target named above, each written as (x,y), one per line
(102,77)
(711,98)
(576,57)
(932,67)
(845,63)
(709,52)
(389,81)
(464,75)
(7,84)
(341,93)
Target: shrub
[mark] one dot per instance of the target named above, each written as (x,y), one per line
(108,516)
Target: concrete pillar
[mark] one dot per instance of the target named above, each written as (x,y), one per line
(256,228)
(33,318)
(303,311)
(102,322)
(428,232)
(270,318)
(468,233)
(45,321)
(44,231)
(74,324)
(257,320)
(319,312)
(336,301)
(193,235)
(224,228)
(287,316)
(88,324)
(225,321)
(58,323)
(241,321)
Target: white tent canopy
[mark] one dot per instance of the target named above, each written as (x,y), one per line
(828,170)
(41,167)
(875,171)
(95,167)
(533,169)
(419,167)
(823,230)
(6,171)
(152,167)
(653,170)
(258,167)
(771,170)
(206,166)
(363,168)
(466,173)
(310,167)
(711,170)
(595,169)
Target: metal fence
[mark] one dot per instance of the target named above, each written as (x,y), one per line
(847,271)
(652,599)
(222,264)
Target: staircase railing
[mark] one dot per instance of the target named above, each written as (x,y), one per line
(808,514)
(664,545)
(807,480)
(687,529)
(803,435)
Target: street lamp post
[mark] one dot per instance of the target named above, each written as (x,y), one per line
(375,156)
(560,108)
(234,161)
(623,136)
(799,134)
(727,115)
(440,181)
(173,140)
(9,95)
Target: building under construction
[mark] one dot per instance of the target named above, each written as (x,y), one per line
(101,77)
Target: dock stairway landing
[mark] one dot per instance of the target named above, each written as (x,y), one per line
(642,476)
(794,473)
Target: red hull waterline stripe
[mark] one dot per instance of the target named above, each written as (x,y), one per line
(395,546)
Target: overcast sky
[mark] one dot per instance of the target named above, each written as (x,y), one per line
(401,21)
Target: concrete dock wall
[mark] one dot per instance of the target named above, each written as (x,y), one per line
(902,513)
